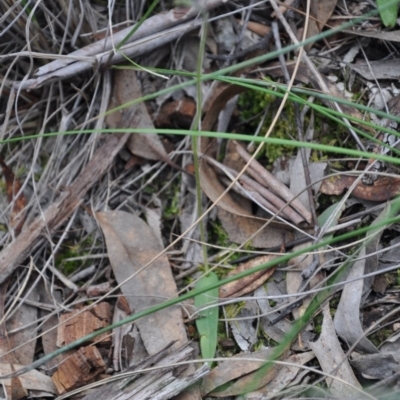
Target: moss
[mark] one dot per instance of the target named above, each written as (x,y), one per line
(318,323)
(172,209)
(232,310)
(218,236)
(72,250)
(259,345)
(398,277)
(267,341)
(327,131)
(272,303)
(380,336)
(253,104)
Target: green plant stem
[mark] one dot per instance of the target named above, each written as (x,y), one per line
(196,138)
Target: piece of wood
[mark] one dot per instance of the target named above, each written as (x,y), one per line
(16,252)
(81,323)
(79,369)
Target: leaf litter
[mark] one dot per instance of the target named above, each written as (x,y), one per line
(92,220)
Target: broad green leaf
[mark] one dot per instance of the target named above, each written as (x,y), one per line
(207,323)
(389,13)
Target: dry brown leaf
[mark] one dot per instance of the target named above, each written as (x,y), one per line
(131,244)
(176,113)
(384,188)
(321,10)
(254,380)
(256,27)
(248,283)
(241,228)
(51,321)
(372,70)
(389,36)
(126,88)
(244,371)
(347,317)
(25,315)
(14,388)
(31,380)
(294,278)
(17,390)
(234,368)
(209,180)
(13,186)
(333,360)
(285,376)
(11,350)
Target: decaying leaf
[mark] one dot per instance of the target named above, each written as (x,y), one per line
(176,113)
(273,325)
(333,359)
(376,366)
(25,315)
(14,388)
(242,229)
(131,245)
(383,188)
(234,368)
(321,11)
(17,389)
(31,380)
(208,178)
(249,283)
(13,186)
(126,88)
(347,316)
(371,70)
(213,188)
(284,377)
(51,320)
(298,181)
(294,279)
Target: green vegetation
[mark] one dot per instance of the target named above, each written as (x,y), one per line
(70,250)
(253,103)
(388,10)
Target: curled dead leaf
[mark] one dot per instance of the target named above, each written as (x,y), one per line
(248,283)
(384,188)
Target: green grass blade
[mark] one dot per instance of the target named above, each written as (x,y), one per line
(330,217)
(207,323)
